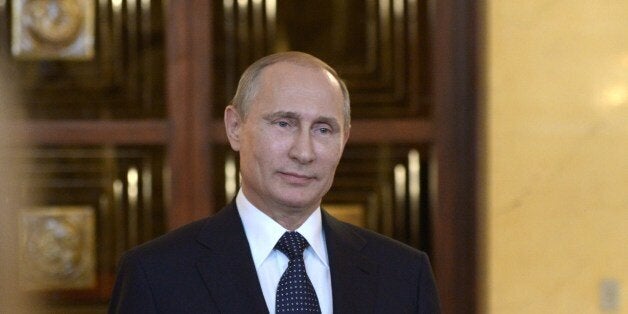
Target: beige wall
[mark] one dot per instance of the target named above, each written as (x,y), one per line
(557,155)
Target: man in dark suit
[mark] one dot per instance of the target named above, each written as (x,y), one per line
(274,249)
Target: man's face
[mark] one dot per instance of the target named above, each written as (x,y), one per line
(291,139)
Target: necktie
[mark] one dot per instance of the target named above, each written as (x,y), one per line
(295,293)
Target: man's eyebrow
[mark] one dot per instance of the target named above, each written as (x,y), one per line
(281,114)
(329,120)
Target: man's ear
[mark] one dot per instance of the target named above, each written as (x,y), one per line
(233,126)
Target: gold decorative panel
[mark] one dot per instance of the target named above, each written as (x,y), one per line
(123,188)
(57,249)
(378,46)
(381,187)
(53,29)
(354,214)
(120,44)
(392,183)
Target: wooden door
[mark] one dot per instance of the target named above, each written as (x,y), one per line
(410,167)
(135,133)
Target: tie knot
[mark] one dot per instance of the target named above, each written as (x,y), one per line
(292,244)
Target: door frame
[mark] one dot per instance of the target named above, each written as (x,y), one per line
(456,89)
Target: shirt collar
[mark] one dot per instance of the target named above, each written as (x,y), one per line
(263,232)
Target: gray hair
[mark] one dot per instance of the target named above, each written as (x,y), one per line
(247,87)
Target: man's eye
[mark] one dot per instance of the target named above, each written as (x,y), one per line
(283,124)
(324,130)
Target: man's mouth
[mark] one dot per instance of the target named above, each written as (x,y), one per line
(296,178)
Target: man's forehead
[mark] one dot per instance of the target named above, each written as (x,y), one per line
(296,70)
(284,77)
(285,86)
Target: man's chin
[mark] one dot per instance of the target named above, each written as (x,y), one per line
(298,204)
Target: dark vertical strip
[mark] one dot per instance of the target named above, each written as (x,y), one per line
(456,99)
(177,78)
(133,75)
(413,78)
(188,85)
(5,38)
(202,87)
(230,50)
(147,73)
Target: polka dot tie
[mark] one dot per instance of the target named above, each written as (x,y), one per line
(295,293)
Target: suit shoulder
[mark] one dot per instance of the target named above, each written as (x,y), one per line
(179,242)
(381,245)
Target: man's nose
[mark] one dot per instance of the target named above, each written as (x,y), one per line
(302,148)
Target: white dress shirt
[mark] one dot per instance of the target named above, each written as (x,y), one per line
(263,233)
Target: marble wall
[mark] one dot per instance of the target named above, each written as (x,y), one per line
(557,156)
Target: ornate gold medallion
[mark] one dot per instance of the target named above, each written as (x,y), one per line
(53,29)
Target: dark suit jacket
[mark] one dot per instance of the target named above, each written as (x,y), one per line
(206,267)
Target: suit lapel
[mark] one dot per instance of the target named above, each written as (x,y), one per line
(228,269)
(353,275)
(229,272)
